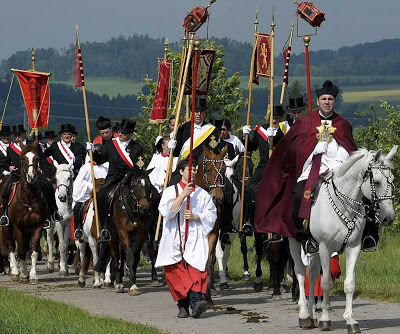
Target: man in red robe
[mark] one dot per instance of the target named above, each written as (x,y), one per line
(283,201)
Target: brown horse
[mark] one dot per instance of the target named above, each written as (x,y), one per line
(133,212)
(210,176)
(27,212)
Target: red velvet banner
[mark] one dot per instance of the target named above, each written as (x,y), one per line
(286,58)
(160,104)
(36,93)
(263,55)
(79,78)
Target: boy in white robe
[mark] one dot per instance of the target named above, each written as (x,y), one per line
(183,249)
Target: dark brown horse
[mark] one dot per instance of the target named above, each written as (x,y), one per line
(133,212)
(27,212)
(210,176)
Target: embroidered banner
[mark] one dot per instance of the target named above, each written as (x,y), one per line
(160,103)
(204,69)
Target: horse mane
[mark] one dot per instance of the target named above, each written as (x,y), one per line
(29,148)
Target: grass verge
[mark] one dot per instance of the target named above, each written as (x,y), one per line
(22,314)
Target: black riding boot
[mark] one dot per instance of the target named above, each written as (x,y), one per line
(78,234)
(105,234)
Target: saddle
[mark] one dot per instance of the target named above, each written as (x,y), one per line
(83,211)
(11,190)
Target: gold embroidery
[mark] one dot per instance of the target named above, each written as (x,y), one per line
(140,162)
(325,132)
(213,143)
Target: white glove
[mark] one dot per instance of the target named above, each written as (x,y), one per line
(246,130)
(320,148)
(271,132)
(172,144)
(157,139)
(89,146)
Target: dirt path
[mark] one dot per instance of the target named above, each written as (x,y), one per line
(233,311)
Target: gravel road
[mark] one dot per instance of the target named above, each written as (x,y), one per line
(237,310)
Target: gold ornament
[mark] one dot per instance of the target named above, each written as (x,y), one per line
(140,162)
(213,143)
(325,132)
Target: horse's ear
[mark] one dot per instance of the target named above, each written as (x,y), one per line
(392,153)
(377,155)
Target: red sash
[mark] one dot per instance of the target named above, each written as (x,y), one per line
(3,149)
(15,148)
(121,153)
(261,131)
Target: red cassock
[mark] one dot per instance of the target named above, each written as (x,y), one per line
(274,207)
(182,277)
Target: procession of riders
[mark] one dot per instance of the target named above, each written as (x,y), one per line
(183,248)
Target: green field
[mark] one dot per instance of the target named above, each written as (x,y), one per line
(110,86)
(373,93)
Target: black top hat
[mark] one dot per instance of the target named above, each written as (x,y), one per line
(201,102)
(66,128)
(103,123)
(74,130)
(127,125)
(5,130)
(278,110)
(217,123)
(49,134)
(18,129)
(328,88)
(296,103)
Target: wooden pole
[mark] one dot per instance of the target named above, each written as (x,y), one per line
(271,100)
(284,82)
(246,140)
(96,212)
(177,114)
(306,40)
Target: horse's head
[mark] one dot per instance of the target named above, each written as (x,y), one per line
(239,168)
(213,171)
(29,162)
(378,186)
(64,177)
(140,192)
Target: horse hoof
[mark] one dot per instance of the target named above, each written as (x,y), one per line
(134,292)
(276,297)
(96,286)
(33,281)
(325,325)
(258,287)
(108,285)
(81,284)
(62,274)
(155,283)
(223,286)
(120,288)
(353,328)
(51,270)
(305,323)
(246,277)
(24,280)
(213,292)
(14,278)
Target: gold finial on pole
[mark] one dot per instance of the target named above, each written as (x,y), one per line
(306,40)
(166,47)
(33,59)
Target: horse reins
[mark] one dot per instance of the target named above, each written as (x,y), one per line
(375,199)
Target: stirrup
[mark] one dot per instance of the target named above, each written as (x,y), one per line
(369,244)
(78,234)
(46,224)
(105,235)
(247,230)
(275,238)
(4,221)
(311,248)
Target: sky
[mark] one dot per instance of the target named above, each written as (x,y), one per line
(51,23)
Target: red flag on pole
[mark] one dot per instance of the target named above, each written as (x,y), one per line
(286,57)
(79,78)
(160,104)
(263,54)
(36,93)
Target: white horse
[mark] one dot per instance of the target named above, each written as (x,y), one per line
(337,222)
(64,177)
(222,253)
(89,238)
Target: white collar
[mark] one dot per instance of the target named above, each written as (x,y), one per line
(325,117)
(124,143)
(66,144)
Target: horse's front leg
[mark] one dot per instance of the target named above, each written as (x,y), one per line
(81,246)
(22,244)
(300,271)
(37,234)
(63,250)
(352,255)
(315,267)
(134,290)
(95,255)
(50,255)
(222,255)
(243,250)
(326,284)
(258,283)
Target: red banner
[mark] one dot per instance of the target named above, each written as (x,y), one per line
(286,58)
(160,104)
(36,93)
(263,55)
(79,78)
(204,69)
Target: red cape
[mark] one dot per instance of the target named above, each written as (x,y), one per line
(274,207)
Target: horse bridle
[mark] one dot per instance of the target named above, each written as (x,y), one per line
(218,170)
(375,200)
(68,187)
(25,171)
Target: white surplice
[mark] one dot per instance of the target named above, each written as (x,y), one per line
(159,164)
(196,250)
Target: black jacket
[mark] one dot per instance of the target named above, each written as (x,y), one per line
(77,150)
